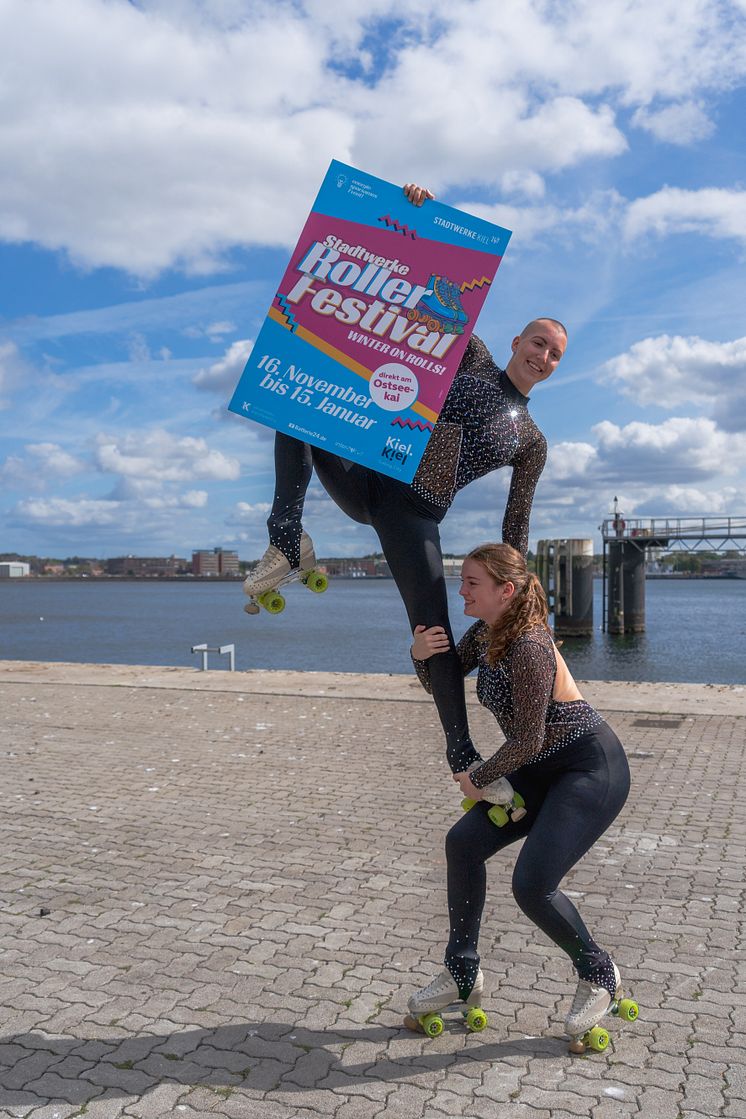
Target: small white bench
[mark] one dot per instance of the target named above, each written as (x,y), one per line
(222,649)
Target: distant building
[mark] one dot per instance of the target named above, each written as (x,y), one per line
(452,566)
(14,569)
(145,566)
(356,567)
(215,562)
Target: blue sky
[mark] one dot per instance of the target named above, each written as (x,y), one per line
(159,159)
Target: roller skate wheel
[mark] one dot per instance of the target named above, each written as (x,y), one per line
(273,602)
(598,1039)
(518,800)
(316,581)
(476,1019)
(251,608)
(628,1010)
(498,815)
(467,804)
(432,1024)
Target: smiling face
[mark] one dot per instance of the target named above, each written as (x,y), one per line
(483,597)
(536,354)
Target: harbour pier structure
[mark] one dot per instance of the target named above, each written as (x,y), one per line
(565,569)
(627,543)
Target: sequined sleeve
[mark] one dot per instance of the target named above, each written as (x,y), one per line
(468,650)
(526,473)
(532,668)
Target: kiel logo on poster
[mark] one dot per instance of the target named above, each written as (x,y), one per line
(396,451)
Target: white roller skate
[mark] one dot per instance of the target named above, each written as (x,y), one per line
(590,1005)
(425,1005)
(506,803)
(274,571)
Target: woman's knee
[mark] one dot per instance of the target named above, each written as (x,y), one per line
(469,842)
(531,887)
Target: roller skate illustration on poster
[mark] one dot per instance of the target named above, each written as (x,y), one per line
(274,572)
(506,803)
(590,1005)
(441,309)
(426,1006)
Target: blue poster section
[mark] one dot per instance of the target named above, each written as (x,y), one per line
(351,194)
(313,398)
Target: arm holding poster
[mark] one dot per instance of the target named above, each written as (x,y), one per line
(440,432)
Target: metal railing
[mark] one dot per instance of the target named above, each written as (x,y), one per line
(713,530)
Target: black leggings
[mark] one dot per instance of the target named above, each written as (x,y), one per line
(407,527)
(571,799)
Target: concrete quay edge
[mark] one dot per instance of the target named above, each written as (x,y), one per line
(608,695)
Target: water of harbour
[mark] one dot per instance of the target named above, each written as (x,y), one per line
(696,629)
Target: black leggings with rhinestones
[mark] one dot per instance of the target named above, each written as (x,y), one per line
(571,799)
(407,527)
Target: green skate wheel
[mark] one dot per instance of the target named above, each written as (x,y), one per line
(597,1039)
(498,815)
(316,581)
(467,804)
(628,1010)
(432,1024)
(273,602)
(476,1019)
(518,801)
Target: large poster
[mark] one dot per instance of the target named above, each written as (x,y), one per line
(370,321)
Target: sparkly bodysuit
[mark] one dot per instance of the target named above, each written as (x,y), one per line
(572,772)
(484,424)
(518,692)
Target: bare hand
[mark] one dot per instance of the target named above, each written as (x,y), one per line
(467,788)
(417,194)
(428,641)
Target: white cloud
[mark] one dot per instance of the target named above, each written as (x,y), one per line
(682,123)
(214,122)
(216,330)
(677,450)
(43,463)
(70,513)
(528,184)
(192,499)
(689,501)
(223,374)
(596,219)
(161,457)
(669,371)
(714,212)
(570,460)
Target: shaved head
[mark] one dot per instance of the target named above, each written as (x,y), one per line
(531,327)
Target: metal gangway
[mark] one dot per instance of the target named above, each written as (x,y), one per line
(626,541)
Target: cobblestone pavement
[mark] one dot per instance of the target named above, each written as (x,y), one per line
(216,902)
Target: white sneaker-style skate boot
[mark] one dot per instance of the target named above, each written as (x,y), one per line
(273,568)
(425,1005)
(592,1001)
